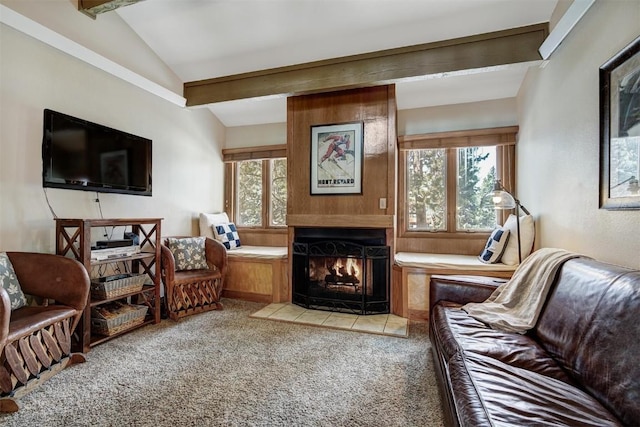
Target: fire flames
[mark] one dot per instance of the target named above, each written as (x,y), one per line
(342,271)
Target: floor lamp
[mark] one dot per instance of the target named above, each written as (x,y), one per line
(503,200)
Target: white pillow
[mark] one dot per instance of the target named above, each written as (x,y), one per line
(209,220)
(494,248)
(527,235)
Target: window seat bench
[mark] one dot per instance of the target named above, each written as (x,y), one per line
(262,252)
(257,273)
(412,272)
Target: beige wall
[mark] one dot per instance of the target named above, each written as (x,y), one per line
(108,35)
(255,136)
(473,115)
(187,164)
(559,136)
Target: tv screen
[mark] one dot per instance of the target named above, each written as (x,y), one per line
(81,155)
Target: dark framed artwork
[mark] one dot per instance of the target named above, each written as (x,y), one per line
(620,130)
(336,158)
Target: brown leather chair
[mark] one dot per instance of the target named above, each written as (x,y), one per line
(35,341)
(194,291)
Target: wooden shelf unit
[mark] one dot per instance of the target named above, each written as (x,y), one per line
(73,239)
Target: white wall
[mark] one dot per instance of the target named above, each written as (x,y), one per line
(255,136)
(107,35)
(187,165)
(558,147)
(473,115)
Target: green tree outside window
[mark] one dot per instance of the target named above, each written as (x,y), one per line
(249,196)
(278,212)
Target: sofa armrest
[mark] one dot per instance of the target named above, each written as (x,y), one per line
(50,276)
(461,289)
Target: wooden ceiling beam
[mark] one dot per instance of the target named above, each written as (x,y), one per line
(92,8)
(382,67)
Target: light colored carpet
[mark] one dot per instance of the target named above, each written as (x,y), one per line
(223,368)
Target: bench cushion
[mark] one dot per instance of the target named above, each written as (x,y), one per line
(244,251)
(448,262)
(264,252)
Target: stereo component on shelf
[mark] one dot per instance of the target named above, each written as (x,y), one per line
(114,253)
(104,244)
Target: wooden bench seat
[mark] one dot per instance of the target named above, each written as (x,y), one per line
(257,273)
(412,272)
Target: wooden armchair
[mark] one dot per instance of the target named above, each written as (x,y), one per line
(35,341)
(194,291)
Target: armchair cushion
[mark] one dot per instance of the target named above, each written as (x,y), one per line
(227,234)
(188,252)
(9,281)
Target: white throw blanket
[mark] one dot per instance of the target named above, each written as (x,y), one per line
(515,305)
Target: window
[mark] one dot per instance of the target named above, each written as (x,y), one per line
(249,194)
(476,177)
(444,178)
(278,182)
(256,186)
(426,189)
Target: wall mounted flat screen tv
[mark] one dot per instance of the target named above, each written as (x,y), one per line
(81,155)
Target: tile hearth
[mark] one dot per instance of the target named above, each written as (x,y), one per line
(384,324)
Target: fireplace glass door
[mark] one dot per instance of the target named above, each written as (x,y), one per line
(341,272)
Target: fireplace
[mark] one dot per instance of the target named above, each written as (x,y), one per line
(341,269)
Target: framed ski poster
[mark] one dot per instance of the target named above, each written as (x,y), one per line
(336,158)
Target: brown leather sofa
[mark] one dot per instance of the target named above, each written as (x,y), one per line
(35,341)
(579,365)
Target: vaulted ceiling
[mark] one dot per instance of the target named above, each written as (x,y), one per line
(209,39)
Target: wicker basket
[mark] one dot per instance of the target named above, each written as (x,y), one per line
(115,288)
(119,318)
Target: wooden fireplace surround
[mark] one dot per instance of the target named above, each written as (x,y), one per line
(375,107)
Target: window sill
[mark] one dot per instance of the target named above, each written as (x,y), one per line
(480,235)
(262,230)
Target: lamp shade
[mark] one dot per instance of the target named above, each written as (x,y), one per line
(500,198)
(503,200)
